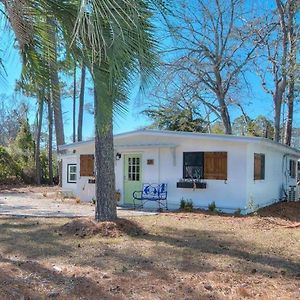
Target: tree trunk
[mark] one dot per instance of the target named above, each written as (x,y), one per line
(277,114)
(104,150)
(50,142)
(291,73)
(81,104)
(74,105)
(38,139)
(55,89)
(225,116)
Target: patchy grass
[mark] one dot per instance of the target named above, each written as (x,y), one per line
(178,256)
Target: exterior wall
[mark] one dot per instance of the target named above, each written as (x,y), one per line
(69,187)
(237,192)
(168,168)
(261,193)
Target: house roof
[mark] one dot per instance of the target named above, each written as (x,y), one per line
(193,135)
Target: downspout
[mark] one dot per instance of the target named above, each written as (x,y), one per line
(158,165)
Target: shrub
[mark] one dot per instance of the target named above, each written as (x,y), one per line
(186,205)
(182,203)
(8,168)
(212,206)
(189,205)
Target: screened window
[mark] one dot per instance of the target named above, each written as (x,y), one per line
(207,165)
(193,165)
(134,168)
(292,168)
(72,173)
(259,166)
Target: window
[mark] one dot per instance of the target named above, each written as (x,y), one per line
(207,165)
(87,165)
(193,165)
(259,166)
(134,169)
(292,168)
(72,173)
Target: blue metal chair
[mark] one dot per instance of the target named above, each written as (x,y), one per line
(152,192)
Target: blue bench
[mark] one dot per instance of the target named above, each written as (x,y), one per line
(151,192)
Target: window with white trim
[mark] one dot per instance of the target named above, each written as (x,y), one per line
(72,173)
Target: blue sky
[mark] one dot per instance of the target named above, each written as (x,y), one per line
(256,103)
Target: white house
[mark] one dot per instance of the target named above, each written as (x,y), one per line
(237,173)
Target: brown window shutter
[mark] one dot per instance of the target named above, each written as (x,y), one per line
(87,165)
(259,166)
(215,165)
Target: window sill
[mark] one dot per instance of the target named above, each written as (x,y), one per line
(191,185)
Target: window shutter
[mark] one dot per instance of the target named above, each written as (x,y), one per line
(259,166)
(87,165)
(215,165)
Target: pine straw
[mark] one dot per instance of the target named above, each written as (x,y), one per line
(87,227)
(288,211)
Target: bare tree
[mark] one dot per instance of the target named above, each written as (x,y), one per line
(277,64)
(291,8)
(212,46)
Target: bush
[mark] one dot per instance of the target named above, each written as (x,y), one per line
(8,168)
(186,205)
(212,206)
(182,203)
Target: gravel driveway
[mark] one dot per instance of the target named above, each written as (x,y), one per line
(36,204)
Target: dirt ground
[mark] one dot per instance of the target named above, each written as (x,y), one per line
(168,256)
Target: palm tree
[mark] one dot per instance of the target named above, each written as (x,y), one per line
(115,41)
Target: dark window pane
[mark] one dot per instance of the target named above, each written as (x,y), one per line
(193,164)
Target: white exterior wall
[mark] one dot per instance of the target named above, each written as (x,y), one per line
(167,152)
(264,192)
(228,196)
(69,187)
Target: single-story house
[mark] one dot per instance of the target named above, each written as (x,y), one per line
(237,173)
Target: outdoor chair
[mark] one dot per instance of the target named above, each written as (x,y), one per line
(151,192)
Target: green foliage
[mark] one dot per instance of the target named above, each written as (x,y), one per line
(8,168)
(186,205)
(260,126)
(22,152)
(212,206)
(24,143)
(176,118)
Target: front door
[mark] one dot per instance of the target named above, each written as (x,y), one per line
(132,176)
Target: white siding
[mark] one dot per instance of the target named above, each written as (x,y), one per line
(229,195)
(68,159)
(167,152)
(263,192)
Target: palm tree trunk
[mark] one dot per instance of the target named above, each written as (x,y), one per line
(74,105)
(55,88)
(38,139)
(81,104)
(50,142)
(104,149)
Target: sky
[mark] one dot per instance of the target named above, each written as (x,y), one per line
(255,103)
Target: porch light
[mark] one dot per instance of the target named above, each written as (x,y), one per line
(118,156)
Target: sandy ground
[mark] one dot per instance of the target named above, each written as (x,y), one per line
(47,202)
(173,255)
